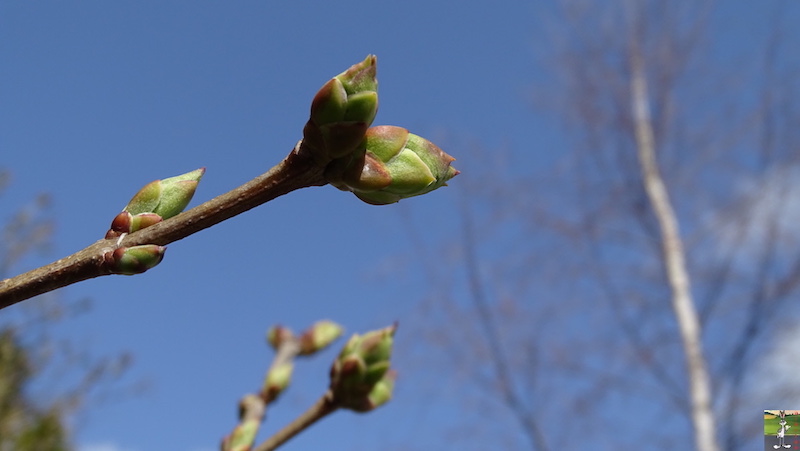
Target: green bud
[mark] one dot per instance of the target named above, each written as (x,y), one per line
(251,414)
(167,197)
(278,378)
(277,335)
(362,364)
(395,165)
(329,104)
(341,112)
(143,220)
(360,77)
(146,200)
(135,259)
(382,391)
(376,346)
(242,437)
(319,336)
(350,371)
(158,200)
(177,192)
(362,107)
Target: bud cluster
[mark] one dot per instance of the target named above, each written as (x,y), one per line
(155,202)
(393,164)
(360,376)
(282,339)
(381,165)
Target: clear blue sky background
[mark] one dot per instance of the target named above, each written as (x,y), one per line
(99,98)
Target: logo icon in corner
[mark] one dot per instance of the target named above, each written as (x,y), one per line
(776,428)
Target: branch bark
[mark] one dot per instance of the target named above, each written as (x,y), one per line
(296,171)
(673,256)
(324,406)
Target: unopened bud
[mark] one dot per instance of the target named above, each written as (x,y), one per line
(242,437)
(361,365)
(146,199)
(277,335)
(135,259)
(158,200)
(251,413)
(382,391)
(341,112)
(319,336)
(395,165)
(278,378)
(177,192)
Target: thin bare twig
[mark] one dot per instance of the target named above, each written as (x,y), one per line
(502,372)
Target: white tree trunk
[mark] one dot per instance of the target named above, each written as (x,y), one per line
(674,260)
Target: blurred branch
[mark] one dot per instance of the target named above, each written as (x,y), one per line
(496,354)
(324,406)
(5,177)
(24,232)
(631,327)
(360,380)
(48,381)
(253,408)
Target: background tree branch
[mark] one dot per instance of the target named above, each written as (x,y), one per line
(672,251)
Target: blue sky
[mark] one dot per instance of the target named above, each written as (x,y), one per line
(99,98)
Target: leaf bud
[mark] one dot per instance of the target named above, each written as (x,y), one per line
(278,378)
(277,335)
(394,165)
(135,259)
(319,336)
(156,201)
(362,364)
(341,112)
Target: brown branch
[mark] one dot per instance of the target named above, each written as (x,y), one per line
(253,407)
(296,171)
(324,406)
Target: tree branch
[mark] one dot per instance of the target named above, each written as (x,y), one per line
(502,372)
(296,171)
(324,406)
(674,257)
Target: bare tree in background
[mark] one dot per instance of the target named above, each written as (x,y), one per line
(622,296)
(38,419)
(672,248)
